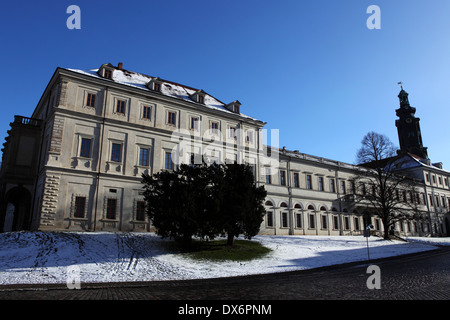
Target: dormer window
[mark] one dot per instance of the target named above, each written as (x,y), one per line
(155,84)
(106,71)
(234,106)
(108,74)
(199,96)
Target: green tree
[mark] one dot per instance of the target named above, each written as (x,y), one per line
(204,201)
(241,209)
(178,203)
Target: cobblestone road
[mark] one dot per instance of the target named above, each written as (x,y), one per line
(423,276)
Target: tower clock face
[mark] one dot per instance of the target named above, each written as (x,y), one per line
(408,120)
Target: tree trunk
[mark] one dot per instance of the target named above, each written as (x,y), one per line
(230,239)
(386,233)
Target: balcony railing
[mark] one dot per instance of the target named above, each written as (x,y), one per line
(27,121)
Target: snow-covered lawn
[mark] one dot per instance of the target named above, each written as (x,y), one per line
(37,257)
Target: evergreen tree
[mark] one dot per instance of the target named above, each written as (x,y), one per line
(241,209)
(204,201)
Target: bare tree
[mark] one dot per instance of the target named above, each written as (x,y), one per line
(380,184)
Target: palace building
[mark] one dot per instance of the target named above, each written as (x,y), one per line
(76,162)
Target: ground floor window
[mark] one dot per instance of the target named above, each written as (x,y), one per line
(298,220)
(140,211)
(80,207)
(377,224)
(346,223)
(284,220)
(356,223)
(111,209)
(269,218)
(335,222)
(312,221)
(324,222)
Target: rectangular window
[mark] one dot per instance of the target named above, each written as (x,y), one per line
(108,74)
(171,118)
(320,180)
(144,157)
(85,150)
(116,152)
(269,219)
(298,220)
(296,180)
(168,163)
(80,206)
(249,137)
(140,210)
(284,220)
(312,222)
(356,223)
(90,101)
(214,127)
(346,223)
(120,106)
(111,207)
(343,191)
(201,99)
(146,112)
(335,222)
(324,222)
(332,186)
(418,198)
(232,132)
(268,176)
(308,182)
(282,177)
(194,123)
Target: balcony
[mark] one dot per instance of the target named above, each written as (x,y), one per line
(27,121)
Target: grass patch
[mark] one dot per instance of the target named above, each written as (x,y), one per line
(217,250)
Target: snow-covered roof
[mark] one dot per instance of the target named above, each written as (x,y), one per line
(168,88)
(420,162)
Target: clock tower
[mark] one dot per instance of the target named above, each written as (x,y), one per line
(408,128)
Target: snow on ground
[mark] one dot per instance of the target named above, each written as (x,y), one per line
(38,257)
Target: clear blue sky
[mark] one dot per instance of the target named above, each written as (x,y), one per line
(311,69)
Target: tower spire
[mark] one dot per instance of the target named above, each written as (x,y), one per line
(408,127)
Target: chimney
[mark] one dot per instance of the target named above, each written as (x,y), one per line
(120,65)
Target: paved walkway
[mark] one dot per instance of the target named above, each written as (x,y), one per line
(421,276)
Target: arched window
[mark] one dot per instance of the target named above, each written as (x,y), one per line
(322,208)
(310,207)
(269,203)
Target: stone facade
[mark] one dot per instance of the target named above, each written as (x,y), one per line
(100,130)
